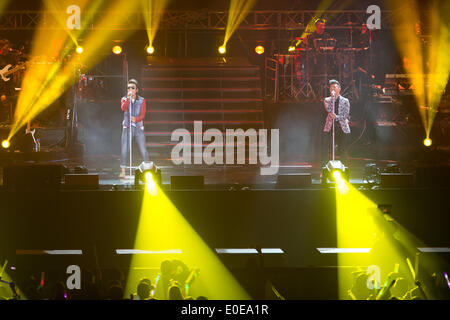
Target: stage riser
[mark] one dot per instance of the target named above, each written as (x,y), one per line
(297,221)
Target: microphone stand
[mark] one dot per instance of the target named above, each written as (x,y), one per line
(125,74)
(334,120)
(130,133)
(74,121)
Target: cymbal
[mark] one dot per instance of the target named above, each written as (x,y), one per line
(350,23)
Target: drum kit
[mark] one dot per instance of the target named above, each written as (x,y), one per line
(308,68)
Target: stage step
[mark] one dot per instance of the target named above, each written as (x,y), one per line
(222,97)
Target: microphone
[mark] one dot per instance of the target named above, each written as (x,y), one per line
(333,93)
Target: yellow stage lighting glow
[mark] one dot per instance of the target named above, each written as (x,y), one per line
(355,229)
(6,278)
(237,12)
(336,174)
(311,26)
(361,223)
(161,227)
(79,50)
(222,49)
(153,12)
(5,144)
(434,63)
(259,49)
(148,177)
(150,184)
(291,49)
(150,49)
(117,49)
(427,142)
(341,186)
(4,4)
(44,83)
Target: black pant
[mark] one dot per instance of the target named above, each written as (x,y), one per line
(340,140)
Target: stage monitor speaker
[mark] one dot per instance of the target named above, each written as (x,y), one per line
(81,180)
(33,177)
(187,182)
(293,181)
(396,180)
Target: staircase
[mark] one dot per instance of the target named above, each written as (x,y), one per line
(222,97)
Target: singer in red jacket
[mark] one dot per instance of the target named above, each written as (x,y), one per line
(136,104)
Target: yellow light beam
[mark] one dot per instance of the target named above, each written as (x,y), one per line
(40,70)
(360,224)
(150,184)
(357,227)
(162,227)
(5,277)
(310,27)
(341,185)
(4,4)
(56,8)
(409,44)
(41,85)
(49,49)
(439,64)
(153,11)
(236,14)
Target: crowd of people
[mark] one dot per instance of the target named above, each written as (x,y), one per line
(399,287)
(174,280)
(172,283)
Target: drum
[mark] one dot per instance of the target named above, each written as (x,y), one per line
(302,62)
(324,45)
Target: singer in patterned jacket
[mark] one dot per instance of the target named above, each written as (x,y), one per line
(338,110)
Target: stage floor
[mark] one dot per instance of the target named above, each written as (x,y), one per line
(216,176)
(220,176)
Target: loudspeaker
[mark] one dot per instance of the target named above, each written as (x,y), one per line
(291,181)
(32,177)
(187,182)
(396,180)
(81,180)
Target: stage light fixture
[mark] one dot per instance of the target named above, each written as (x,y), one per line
(222,49)
(5,144)
(291,48)
(334,170)
(147,173)
(427,142)
(117,49)
(259,49)
(79,49)
(150,49)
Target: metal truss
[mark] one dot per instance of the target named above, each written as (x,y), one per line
(195,20)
